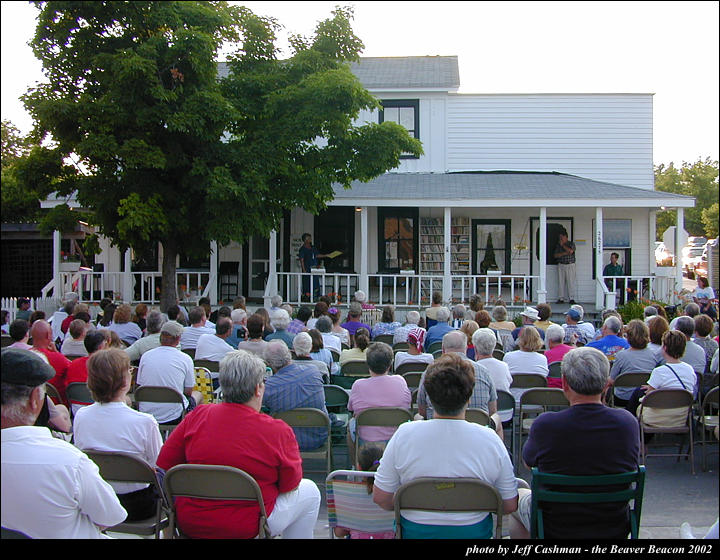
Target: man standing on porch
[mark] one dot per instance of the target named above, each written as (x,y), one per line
(565,255)
(308,256)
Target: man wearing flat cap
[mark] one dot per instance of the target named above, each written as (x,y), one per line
(50,489)
(168,366)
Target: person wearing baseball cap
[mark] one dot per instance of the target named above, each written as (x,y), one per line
(529,316)
(51,489)
(573,333)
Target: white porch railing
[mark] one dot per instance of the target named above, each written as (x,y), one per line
(624,288)
(514,289)
(339,286)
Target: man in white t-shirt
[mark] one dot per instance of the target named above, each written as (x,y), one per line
(197,328)
(214,346)
(167,366)
(446,446)
(50,489)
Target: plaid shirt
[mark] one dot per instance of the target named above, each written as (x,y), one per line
(298,386)
(565,259)
(295,326)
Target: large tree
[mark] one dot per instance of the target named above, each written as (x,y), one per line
(166,150)
(699,180)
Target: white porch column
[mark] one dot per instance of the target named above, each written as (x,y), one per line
(127,284)
(679,239)
(272,255)
(213,293)
(447,278)
(58,290)
(542,290)
(599,303)
(363,283)
(652,233)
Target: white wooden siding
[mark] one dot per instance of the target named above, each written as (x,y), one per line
(602,137)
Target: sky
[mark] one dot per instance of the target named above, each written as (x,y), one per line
(669,49)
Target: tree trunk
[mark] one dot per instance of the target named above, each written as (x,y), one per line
(168,297)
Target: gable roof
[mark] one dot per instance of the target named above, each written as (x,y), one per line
(500,189)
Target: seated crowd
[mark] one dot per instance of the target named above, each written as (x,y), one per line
(279,359)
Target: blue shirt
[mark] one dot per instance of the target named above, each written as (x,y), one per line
(309,257)
(298,386)
(239,334)
(283,335)
(436,333)
(609,345)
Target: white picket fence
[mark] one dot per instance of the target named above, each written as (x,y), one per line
(48,305)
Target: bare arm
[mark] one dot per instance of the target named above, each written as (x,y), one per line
(386,499)
(510,505)
(492,407)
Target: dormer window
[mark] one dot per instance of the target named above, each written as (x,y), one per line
(405,112)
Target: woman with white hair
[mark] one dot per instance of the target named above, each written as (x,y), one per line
(280,322)
(302,346)
(412,320)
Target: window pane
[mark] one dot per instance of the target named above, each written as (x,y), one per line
(407,117)
(391,114)
(391,228)
(406,254)
(407,228)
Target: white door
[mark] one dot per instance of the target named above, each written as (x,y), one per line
(554,226)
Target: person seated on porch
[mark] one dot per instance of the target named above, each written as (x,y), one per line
(20,334)
(302,346)
(414,353)
(324,326)
(613,268)
(458,316)
(353,322)
(445,447)
(321,308)
(357,352)
(639,358)
(431,312)
(529,317)
(704,327)
(468,328)
(140,316)
(280,322)
(412,319)
(689,310)
(74,345)
(380,389)
(128,331)
(239,331)
(255,344)
(475,304)
(198,327)
(544,313)
(300,323)
(320,353)
(387,324)
(213,347)
(361,298)
(611,341)
(527,359)
(440,328)
(657,327)
(555,349)
(694,355)
(337,329)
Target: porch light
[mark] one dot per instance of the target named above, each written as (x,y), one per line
(358,209)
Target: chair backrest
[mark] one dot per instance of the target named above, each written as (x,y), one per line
(412,378)
(209,365)
(477,416)
(78,392)
(710,402)
(541,493)
(336,398)
(448,495)
(204,384)
(498,354)
(117,466)
(437,345)
(150,393)
(355,367)
(190,352)
(400,346)
(667,398)
(384,416)
(437,353)
(505,400)
(554,370)
(335,355)
(545,396)
(304,418)
(524,380)
(214,482)
(52,392)
(386,338)
(411,367)
(631,379)
(349,504)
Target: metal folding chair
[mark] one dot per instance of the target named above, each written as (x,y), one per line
(311,418)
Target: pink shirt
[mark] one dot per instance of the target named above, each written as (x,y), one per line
(556,354)
(382,390)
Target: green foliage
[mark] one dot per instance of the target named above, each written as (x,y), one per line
(18,203)
(699,180)
(168,152)
(635,309)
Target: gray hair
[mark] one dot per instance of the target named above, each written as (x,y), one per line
(412,317)
(277,354)
(154,322)
(240,373)
(692,309)
(586,370)
(484,341)
(443,315)
(360,296)
(499,313)
(355,309)
(302,344)
(280,320)
(379,357)
(287,307)
(454,341)
(579,308)
(554,333)
(458,311)
(685,325)
(14,399)
(276,300)
(237,315)
(649,311)
(324,324)
(613,324)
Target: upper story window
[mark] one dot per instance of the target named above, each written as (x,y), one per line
(405,112)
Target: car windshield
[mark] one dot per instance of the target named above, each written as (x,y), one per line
(696,251)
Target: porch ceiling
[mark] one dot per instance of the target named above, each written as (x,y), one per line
(500,189)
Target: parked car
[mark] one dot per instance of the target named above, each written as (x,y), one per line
(692,258)
(697,241)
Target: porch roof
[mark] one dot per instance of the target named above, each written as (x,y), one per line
(501,189)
